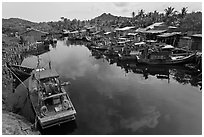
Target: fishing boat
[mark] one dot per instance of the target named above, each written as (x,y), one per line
(111,53)
(127,57)
(164,58)
(49,99)
(19,73)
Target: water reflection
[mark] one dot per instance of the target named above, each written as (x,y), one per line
(112,97)
(181,74)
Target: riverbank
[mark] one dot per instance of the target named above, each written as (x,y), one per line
(12,124)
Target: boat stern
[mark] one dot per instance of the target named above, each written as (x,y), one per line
(57,119)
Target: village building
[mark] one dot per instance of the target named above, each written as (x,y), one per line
(91,29)
(169,38)
(151,32)
(193,42)
(121,32)
(196,42)
(33,35)
(185,42)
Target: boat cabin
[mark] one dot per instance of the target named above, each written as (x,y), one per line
(49,98)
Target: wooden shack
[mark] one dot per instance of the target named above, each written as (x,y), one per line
(196,42)
(185,42)
(33,35)
(170,38)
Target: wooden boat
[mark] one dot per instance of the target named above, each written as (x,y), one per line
(127,57)
(49,99)
(19,73)
(111,53)
(164,58)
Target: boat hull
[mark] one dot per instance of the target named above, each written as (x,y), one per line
(57,119)
(185,60)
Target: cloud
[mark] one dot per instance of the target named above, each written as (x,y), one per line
(149,120)
(121,4)
(71,63)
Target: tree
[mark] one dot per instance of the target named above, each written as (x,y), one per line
(133,14)
(169,11)
(141,13)
(191,22)
(183,12)
(62,18)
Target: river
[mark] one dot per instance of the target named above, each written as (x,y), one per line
(116,98)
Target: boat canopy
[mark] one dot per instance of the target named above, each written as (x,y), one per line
(47,73)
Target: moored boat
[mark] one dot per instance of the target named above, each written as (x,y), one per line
(127,57)
(179,60)
(49,99)
(164,58)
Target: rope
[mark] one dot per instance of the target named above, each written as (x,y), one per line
(17,78)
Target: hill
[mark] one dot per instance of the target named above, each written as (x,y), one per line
(13,25)
(110,20)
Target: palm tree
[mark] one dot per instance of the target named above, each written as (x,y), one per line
(133,14)
(169,11)
(141,13)
(183,11)
(62,18)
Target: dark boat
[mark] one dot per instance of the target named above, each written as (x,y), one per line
(49,99)
(100,47)
(111,53)
(19,74)
(127,57)
(164,58)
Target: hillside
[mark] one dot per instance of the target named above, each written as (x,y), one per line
(109,17)
(12,25)
(13,124)
(16,24)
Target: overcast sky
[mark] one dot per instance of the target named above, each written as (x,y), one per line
(52,11)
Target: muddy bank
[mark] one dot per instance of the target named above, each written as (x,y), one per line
(13,124)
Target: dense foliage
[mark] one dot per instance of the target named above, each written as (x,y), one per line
(182,19)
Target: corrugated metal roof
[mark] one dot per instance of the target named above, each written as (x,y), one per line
(139,43)
(168,47)
(172,27)
(140,30)
(155,31)
(132,34)
(197,35)
(73,32)
(107,33)
(125,28)
(169,34)
(154,25)
(121,42)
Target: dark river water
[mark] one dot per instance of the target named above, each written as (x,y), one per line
(120,98)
